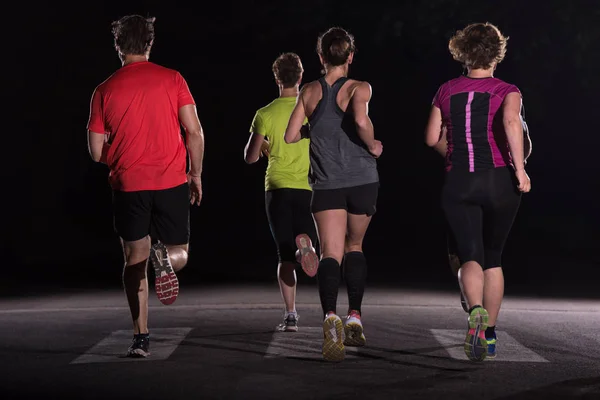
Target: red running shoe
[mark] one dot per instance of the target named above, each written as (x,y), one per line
(306,254)
(166,282)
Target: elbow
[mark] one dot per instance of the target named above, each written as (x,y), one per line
(287,139)
(195,133)
(511,121)
(361,122)
(431,142)
(250,160)
(431,139)
(95,155)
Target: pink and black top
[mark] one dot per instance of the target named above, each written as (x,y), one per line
(472,112)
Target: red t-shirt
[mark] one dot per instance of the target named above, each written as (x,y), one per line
(138,108)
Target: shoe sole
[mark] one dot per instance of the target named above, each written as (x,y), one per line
(333,346)
(354,335)
(308,258)
(166,283)
(286,328)
(138,353)
(475,345)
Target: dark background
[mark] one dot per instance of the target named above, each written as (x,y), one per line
(58,224)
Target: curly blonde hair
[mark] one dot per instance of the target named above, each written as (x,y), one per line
(479,45)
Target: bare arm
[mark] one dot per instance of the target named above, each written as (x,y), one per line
(442,146)
(526,140)
(292,132)
(97,146)
(434,132)
(96,131)
(514,129)
(254,148)
(360,108)
(188,117)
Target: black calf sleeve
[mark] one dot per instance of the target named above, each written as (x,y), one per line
(328,279)
(355,275)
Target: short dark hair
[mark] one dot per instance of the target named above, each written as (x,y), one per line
(335,46)
(133,34)
(287,69)
(478,45)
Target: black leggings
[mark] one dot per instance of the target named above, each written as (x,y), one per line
(480,208)
(288,212)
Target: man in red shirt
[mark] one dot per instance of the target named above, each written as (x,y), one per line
(135,128)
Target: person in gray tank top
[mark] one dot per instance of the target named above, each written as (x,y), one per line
(345,182)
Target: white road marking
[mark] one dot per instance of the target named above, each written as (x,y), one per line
(508,349)
(163,342)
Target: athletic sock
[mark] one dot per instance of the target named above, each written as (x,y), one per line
(328,279)
(355,275)
(490,332)
(474,307)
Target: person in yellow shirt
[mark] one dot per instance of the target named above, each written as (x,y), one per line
(287,191)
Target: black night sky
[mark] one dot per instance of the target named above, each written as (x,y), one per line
(57,220)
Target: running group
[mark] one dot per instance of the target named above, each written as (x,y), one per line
(321,181)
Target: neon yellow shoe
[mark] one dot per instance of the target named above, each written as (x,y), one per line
(476,346)
(333,341)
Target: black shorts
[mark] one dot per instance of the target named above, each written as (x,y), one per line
(288,212)
(162,214)
(480,208)
(359,200)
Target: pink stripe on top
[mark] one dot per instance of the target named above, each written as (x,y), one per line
(468,132)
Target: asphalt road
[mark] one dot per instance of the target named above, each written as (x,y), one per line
(219,342)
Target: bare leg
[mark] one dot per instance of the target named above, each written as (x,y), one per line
(470,277)
(357,228)
(135,281)
(286,274)
(493,292)
(178,254)
(331,229)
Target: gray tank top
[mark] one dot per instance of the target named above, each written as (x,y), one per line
(338,157)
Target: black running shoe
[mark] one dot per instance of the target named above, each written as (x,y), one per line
(140,346)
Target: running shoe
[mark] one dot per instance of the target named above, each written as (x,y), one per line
(491,346)
(289,324)
(308,258)
(333,342)
(166,283)
(476,346)
(140,346)
(353,330)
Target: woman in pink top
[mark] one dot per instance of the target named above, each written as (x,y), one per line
(475,121)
